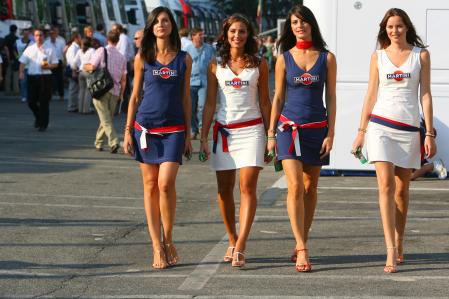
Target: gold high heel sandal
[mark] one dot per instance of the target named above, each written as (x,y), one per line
(171,254)
(392,268)
(229,253)
(159,255)
(237,261)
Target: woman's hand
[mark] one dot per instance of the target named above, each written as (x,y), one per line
(430,147)
(128,146)
(270,151)
(358,141)
(204,148)
(188,148)
(326,147)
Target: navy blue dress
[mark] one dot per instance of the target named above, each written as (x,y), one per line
(304,104)
(161,106)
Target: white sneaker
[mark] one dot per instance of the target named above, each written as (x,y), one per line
(440,169)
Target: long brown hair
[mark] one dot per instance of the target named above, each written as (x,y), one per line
(288,39)
(412,38)
(148,48)
(250,58)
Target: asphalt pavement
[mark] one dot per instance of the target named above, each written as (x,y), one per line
(73,225)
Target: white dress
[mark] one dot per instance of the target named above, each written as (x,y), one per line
(397,100)
(239,102)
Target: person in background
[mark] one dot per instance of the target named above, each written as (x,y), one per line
(83,57)
(269,45)
(12,69)
(138,40)
(72,50)
(185,41)
(40,59)
(88,31)
(399,80)
(21,44)
(201,54)
(1,69)
(105,105)
(436,166)
(58,43)
(124,46)
(99,35)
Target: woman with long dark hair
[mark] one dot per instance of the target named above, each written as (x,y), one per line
(241,79)
(302,129)
(159,133)
(390,121)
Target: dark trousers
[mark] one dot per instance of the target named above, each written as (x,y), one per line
(58,77)
(39,95)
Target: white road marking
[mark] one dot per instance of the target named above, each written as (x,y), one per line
(41,204)
(206,268)
(69,196)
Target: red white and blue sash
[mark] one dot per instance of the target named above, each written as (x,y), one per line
(219,127)
(156,131)
(287,123)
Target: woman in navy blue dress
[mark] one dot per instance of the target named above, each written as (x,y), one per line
(159,133)
(302,129)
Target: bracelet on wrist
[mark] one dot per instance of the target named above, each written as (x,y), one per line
(271,137)
(430,134)
(361,130)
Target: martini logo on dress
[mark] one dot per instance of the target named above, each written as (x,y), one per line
(306,79)
(237,83)
(399,75)
(165,73)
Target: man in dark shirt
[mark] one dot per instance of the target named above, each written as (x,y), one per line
(12,70)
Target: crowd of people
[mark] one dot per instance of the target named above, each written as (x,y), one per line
(174,89)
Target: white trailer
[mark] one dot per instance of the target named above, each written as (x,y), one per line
(350,29)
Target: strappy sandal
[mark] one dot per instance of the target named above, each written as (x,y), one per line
(391,268)
(400,257)
(236,261)
(171,254)
(159,254)
(228,256)
(307,267)
(294,256)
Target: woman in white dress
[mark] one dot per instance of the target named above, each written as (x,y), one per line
(239,142)
(390,121)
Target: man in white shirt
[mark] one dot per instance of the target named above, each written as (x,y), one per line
(58,43)
(125,47)
(72,103)
(41,60)
(185,41)
(123,43)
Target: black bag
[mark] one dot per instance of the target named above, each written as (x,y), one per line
(99,82)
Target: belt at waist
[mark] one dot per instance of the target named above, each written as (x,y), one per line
(287,123)
(156,131)
(219,127)
(392,123)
